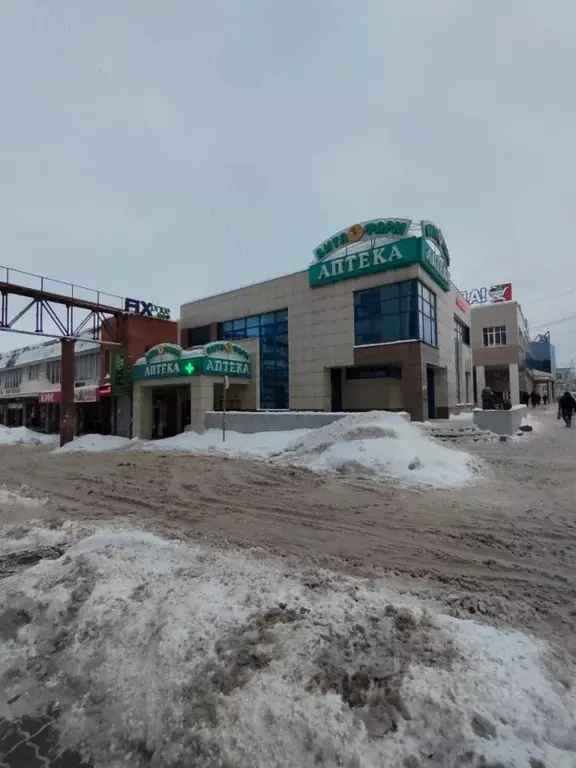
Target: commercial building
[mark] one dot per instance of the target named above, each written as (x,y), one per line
(373,323)
(30,378)
(566,379)
(500,345)
(541,360)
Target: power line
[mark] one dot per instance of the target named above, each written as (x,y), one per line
(558,321)
(548,298)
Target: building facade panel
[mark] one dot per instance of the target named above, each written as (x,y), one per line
(407,316)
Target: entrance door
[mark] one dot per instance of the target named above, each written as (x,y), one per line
(336,389)
(431,384)
(164,405)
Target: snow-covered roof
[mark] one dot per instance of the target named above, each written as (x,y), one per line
(37,353)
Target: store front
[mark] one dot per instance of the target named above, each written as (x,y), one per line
(173,388)
(88,410)
(374,322)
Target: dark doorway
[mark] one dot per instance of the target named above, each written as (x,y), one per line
(431,386)
(336,389)
(164,410)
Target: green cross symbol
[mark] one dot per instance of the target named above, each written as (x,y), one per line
(189,368)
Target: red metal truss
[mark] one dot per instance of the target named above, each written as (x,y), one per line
(71,316)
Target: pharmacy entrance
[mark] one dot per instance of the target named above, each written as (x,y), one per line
(175,388)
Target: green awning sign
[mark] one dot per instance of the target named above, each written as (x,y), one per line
(170,361)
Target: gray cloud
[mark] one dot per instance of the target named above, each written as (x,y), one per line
(170,150)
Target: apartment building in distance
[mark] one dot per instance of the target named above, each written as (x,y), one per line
(500,346)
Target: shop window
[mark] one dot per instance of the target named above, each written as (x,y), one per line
(462,332)
(87,367)
(404,311)
(197,337)
(374,372)
(494,336)
(272,330)
(12,379)
(53,371)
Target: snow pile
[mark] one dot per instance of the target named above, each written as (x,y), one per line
(152,652)
(258,445)
(10,498)
(384,445)
(95,444)
(23,436)
(465,416)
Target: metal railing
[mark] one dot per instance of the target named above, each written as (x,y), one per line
(61,287)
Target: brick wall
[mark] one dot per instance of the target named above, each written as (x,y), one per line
(137,334)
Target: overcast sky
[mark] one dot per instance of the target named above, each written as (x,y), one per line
(169,150)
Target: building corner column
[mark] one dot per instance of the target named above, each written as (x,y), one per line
(514,383)
(480,382)
(201,401)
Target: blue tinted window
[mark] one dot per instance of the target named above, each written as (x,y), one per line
(272,329)
(396,312)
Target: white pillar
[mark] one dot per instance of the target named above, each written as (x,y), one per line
(480,383)
(142,411)
(514,383)
(201,400)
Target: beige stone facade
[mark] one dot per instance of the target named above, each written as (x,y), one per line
(501,366)
(321,338)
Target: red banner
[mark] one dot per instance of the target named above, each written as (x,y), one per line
(81,395)
(49,397)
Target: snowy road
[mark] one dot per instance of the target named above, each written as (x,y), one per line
(143,651)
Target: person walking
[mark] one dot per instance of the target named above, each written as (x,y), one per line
(566,408)
(545,399)
(533,398)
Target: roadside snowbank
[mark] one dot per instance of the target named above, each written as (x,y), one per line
(383,445)
(23,436)
(191,656)
(11,498)
(95,444)
(257,445)
(376,444)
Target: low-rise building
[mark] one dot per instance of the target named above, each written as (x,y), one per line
(500,346)
(374,323)
(30,378)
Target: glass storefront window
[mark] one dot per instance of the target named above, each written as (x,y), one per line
(272,330)
(395,312)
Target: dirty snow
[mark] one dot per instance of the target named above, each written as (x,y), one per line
(95,443)
(378,444)
(383,445)
(161,653)
(257,445)
(11,497)
(23,436)
(466,416)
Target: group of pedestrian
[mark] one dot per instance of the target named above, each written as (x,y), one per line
(533,398)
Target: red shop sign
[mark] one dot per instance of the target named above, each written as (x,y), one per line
(49,397)
(462,304)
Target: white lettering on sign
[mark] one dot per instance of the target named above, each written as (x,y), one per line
(477,296)
(437,262)
(217,365)
(162,369)
(356,262)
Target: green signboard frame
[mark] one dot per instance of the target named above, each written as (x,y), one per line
(401,253)
(186,367)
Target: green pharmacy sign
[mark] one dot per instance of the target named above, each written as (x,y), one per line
(367,230)
(403,252)
(170,361)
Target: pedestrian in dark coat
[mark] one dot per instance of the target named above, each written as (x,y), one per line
(533,398)
(566,408)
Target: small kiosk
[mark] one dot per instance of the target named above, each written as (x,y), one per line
(174,388)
